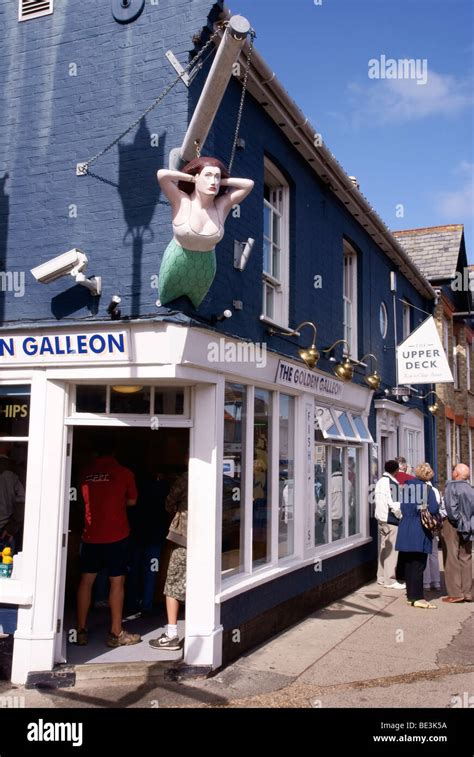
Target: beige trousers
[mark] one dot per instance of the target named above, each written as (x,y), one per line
(457,556)
(387,553)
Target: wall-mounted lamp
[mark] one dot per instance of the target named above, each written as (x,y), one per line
(434,406)
(345,369)
(373,379)
(127,389)
(310,354)
(222,317)
(112,308)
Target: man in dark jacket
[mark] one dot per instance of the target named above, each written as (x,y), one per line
(457,536)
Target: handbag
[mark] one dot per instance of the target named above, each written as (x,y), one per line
(392,519)
(431,523)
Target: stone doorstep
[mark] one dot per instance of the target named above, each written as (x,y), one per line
(142,671)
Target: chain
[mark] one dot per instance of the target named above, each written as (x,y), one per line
(242,99)
(168,88)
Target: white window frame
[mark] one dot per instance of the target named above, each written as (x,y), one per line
(406,314)
(470,433)
(446,336)
(36,14)
(279,285)
(449,449)
(456,362)
(349,298)
(383,310)
(468,366)
(457,444)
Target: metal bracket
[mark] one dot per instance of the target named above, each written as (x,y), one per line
(185,78)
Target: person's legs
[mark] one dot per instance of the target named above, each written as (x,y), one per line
(390,555)
(465,559)
(117,555)
(84,594)
(172,610)
(452,567)
(116,596)
(415,564)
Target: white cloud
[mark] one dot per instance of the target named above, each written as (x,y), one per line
(459,204)
(396,100)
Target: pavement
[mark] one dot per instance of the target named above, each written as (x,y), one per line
(368,650)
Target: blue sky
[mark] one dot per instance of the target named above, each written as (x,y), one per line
(407,143)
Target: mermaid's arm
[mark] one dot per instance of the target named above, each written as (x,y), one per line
(239,189)
(168,182)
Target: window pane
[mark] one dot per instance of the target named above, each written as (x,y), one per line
(261,478)
(345,424)
(361,427)
(324,421)
(169,401)
(136,403)
(269,301)
(286,485)
(275,262)
(267,220)
(276,229)
(336,493)
(353,462)
(233,498)
(14,410)
(320,489)
(267,262)
(91,399)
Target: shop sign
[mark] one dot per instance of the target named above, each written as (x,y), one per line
(309,381)
(421,358)
(99,346)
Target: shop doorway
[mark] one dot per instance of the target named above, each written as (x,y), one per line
(152,455)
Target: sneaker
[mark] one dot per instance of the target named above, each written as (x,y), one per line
(394,585)
(164,642)
(124,639)
(82,637)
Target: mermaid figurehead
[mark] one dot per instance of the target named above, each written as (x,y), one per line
(201,197)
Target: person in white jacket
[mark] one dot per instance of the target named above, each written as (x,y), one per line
(388,513)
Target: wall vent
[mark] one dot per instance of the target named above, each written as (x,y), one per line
(34,8)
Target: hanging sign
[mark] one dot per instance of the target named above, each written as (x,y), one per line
(99,346)
(421,358)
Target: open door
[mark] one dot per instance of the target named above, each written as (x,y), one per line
(61,640)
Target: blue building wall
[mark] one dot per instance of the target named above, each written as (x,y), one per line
(72,82)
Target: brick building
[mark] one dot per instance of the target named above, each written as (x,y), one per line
(440,252)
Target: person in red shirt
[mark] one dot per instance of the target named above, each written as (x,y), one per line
(108,488)
(402,476)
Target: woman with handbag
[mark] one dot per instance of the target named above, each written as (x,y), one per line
(414,542)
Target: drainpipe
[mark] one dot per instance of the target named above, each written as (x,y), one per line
(213,91)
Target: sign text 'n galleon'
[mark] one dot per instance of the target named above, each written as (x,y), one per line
(421,358)
(99,346)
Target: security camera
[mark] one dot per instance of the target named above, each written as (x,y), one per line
(73,262)
(242,252)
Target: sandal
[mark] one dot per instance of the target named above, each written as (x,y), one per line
(424,604)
